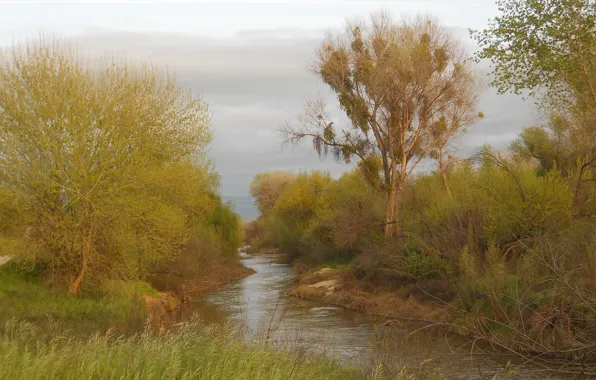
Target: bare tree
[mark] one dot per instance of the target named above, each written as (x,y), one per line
(406,88)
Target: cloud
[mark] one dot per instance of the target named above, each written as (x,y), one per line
(257,80)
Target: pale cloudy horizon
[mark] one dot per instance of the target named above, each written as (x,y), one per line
(248,61)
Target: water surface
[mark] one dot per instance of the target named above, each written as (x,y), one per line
(260,303)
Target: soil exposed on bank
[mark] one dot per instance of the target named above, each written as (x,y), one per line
(327,286)
(212,278)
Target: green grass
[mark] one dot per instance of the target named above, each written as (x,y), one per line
(192,352)
(48,334)
(23,297)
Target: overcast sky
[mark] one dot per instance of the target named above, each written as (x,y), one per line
(247,60)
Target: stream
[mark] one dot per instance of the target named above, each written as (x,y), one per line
(259,303)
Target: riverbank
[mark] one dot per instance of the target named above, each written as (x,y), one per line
(119,305)
(45,333)
(260,251)
(26,299)
(176,290)
(327,286)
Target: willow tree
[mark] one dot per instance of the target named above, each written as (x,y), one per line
(404,86)
(104,160)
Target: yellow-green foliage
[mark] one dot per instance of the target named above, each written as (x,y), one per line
(105,163)
(303,199)
(519,203)
(317,218)
(500,200)
(267,187)
(296,209)
(520,247)
(514,241)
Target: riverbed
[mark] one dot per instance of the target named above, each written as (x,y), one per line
(260,305)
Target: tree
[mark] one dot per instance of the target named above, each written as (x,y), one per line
(543,45)
(455,119)
(105,161)
(267,187)
(402,85)
(549,48)
(549,146)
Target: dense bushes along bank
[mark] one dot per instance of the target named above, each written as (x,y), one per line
(104,175)
(503,241)
(506,253)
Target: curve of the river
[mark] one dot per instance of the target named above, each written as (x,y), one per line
(260,304)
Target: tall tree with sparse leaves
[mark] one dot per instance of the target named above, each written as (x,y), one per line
(404,86)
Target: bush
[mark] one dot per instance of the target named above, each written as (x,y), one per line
(510,247)
(317,219)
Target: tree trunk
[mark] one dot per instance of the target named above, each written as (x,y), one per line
(397,214)
(390,220)
(85,252)
(443,170)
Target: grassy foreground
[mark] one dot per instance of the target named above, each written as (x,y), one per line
(48,334)
(191,352)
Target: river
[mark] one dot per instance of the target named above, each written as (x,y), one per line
(259,303)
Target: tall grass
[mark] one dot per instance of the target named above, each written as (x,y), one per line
(190,352)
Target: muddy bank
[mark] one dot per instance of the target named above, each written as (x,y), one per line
(326,286)
(216,277)
(176,291)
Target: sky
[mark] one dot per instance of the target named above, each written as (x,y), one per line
(248,61)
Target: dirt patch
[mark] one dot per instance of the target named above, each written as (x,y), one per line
(176,290)
(205,279)
(328,288)
(215,278)
(318,276)
(4,259)
(161,304)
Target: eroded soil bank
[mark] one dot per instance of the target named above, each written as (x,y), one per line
(177,291)
(327,286)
